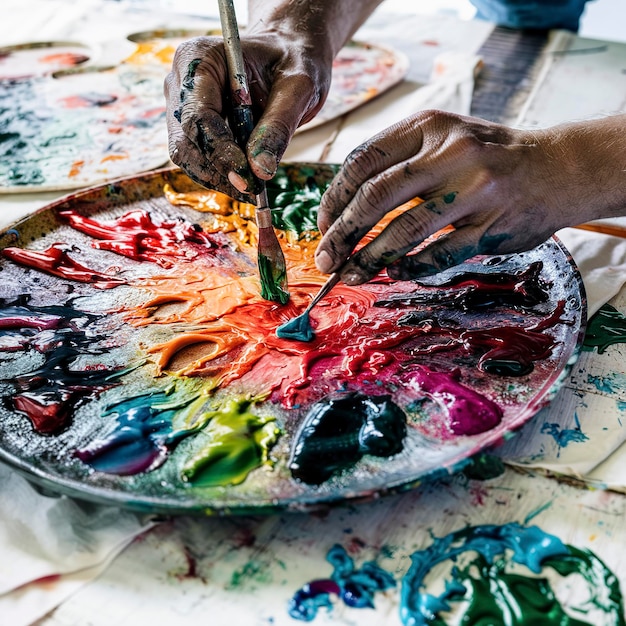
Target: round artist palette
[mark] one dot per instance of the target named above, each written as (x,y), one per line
(81,126)
(155,381)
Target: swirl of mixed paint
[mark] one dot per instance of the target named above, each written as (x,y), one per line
(485,588)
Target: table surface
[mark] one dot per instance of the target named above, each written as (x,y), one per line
(187,570)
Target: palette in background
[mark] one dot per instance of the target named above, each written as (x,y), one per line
(140,366)
(68,124)
(361,70)
(79,125)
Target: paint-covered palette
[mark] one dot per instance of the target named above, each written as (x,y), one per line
(67,124)
(139,365)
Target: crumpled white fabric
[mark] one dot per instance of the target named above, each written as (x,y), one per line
(52,545)
(601,260)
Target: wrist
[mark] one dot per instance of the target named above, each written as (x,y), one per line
(317,25)
(584,167)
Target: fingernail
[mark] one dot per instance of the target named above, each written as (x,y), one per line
(323,261)
(266,161)
(237,182)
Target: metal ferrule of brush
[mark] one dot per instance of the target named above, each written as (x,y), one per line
(263,212)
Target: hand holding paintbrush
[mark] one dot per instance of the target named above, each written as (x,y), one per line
(271,260)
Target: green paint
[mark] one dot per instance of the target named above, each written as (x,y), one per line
(491,593)
(273,280)
(536,512)
(295,196)
(259,572)
(188,82)
(497,597)
(432,207)
(483,467)
(606,327)
(299,209)
(449,197)
(237,442)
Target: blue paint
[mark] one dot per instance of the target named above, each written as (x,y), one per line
(491,593)
(610,384)
(536,512)
(355,587)
(143,436)
(565,436)
(297,329)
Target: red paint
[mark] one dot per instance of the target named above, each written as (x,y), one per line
(67,59)
(48,413)
(56,261)
(80,101)
(139,236)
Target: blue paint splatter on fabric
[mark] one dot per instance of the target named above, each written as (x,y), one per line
(565,436)
(355,587)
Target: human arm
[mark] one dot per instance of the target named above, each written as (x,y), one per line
(288,49)
(504,190)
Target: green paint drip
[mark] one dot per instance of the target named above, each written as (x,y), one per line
(606,327)
(237,442)
(497,597)
(272,281)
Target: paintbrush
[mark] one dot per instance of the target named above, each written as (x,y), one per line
(271,260)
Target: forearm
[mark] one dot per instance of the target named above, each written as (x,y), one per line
(595,154)
(327,23)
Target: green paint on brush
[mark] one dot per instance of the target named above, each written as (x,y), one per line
(271,281)
(236,442)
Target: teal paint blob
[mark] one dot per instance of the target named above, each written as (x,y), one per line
(297,329)
(449,197)
(354,586)
(495,596)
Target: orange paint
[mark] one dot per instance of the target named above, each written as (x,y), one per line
(218,310)
(114,157)
(77,166)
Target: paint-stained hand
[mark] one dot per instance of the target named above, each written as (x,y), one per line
(503,190)
(287,85)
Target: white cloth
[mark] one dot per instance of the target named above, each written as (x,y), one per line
(52,545)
